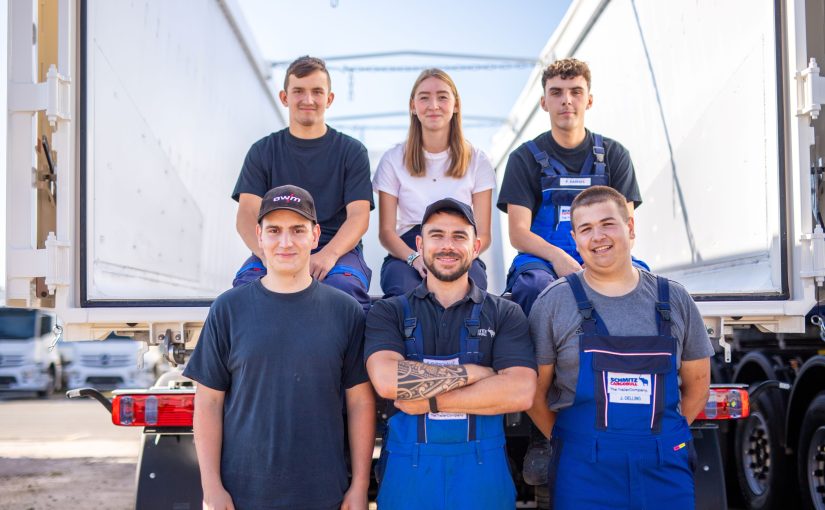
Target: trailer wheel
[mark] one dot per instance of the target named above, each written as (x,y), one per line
(811,460)
(762,465)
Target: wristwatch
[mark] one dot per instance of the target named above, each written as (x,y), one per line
(411,258)
(433,405)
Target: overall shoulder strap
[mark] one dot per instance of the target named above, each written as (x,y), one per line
(549,166)
(540,156)
(469,338)
(584,305)
(663,310)
(411,348)
(598,155)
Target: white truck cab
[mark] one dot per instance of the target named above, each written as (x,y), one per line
(27,364)
(112,363)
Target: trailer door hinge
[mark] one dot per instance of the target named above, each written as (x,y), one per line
(57,267)
(813,258)
(810,91)
(51,96)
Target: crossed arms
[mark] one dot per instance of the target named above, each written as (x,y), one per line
(465,388)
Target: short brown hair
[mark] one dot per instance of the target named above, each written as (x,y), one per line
(304,66)
(567,68)
(598,195)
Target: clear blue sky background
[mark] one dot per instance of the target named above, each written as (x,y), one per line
(287,29)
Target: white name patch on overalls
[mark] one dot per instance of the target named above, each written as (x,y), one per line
(444,416)
(574,181)
(564,213)
(629,388)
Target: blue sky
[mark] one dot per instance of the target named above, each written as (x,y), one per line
(519,28)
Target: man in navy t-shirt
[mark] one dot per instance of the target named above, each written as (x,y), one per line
(332,166)
(269,423)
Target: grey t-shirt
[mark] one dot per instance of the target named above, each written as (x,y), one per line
(555,325)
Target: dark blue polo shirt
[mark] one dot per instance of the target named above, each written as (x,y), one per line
(503,330)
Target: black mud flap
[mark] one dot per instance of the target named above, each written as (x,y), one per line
(168,476)
(709,472)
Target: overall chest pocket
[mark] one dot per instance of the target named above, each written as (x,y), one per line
(630,375)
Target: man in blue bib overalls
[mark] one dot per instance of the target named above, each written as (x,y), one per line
(543,176)
(623,369)
(454,359)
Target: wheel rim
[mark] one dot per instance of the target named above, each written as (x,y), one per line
(816,468)
(756,454)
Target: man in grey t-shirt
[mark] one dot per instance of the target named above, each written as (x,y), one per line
(623,369)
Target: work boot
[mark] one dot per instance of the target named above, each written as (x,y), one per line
(537,462)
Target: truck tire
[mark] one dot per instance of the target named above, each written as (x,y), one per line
(762,466)
(811,455)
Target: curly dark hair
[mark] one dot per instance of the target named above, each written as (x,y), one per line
(566,68)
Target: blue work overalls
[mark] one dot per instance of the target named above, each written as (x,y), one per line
(349,274)
(398,277)
(445,461)
(623,443)
(529,274)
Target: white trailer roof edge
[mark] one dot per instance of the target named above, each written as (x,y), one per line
(238,22)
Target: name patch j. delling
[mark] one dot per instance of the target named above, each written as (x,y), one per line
(629,388)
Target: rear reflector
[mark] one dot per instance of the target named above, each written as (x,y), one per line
(726,403)
(153,410)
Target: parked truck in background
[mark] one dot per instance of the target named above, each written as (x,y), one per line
(27,364)
(116,362)
(127,126)
(719,105)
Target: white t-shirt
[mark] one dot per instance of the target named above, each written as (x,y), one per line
(414,194)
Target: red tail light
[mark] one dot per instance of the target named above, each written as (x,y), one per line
(726,403)
(153,409)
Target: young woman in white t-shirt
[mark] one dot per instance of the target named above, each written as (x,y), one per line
(434,163)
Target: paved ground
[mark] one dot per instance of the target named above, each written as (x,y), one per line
(64,454)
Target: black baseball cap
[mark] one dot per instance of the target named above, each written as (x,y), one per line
(291,198)
(450,204)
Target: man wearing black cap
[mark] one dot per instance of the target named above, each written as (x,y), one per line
(268,424)
(454,360)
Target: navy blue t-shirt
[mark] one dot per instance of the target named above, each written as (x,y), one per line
(521,184)
(334,168)
(503,329)
(284,368)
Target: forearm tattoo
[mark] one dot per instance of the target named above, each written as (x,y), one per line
(419,380)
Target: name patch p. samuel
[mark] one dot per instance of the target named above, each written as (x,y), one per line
(575,181)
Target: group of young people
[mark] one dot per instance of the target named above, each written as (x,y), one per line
(612,364)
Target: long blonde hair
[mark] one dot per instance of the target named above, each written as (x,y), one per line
(414,158)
